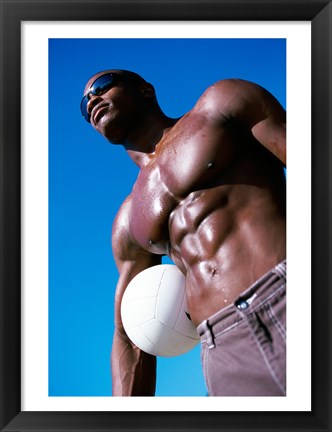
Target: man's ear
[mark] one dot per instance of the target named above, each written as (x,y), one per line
(148,90)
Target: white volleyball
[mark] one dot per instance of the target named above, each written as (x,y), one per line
(154,312)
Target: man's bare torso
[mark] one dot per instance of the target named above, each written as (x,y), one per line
(213,199)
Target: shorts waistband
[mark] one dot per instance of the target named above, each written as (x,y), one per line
(264,288)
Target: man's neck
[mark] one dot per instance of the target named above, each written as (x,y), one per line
(141,146)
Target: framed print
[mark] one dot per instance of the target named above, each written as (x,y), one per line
(49,167)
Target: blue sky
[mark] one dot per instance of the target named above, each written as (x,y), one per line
(89,178)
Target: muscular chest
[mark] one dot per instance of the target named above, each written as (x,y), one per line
(195,154)
(192,157)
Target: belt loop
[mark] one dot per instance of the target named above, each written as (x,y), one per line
(280,270)
(208,334)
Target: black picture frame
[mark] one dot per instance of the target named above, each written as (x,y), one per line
(319,13)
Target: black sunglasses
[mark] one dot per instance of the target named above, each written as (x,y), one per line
(98,87)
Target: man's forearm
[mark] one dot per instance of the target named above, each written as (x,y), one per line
(133,371)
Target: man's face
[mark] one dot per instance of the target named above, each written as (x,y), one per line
(116,111)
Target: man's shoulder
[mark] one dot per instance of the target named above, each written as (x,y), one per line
(121,239)
(122,216)
(228,98)
(230,89)
(231,84)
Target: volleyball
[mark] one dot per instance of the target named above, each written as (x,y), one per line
(154,312)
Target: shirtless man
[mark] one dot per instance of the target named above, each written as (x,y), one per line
(210,194)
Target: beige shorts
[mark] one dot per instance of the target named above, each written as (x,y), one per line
(244,345)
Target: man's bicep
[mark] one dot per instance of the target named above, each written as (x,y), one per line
(130,258)
(127,271)
(265,117)
(271,133)
(253,108)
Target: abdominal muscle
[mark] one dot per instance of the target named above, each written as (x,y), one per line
(223,239)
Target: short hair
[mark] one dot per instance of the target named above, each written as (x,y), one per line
(130,76)
(134,78)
